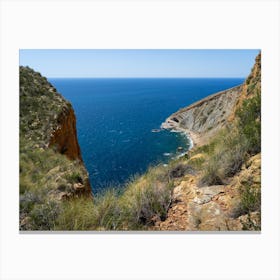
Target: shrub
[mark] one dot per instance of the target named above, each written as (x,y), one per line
(197,162)
(250,198)
(74,177)
(143,205)
(43,216)
(234,151)
(249,122)
(212,172)
(208,148)
(179,170)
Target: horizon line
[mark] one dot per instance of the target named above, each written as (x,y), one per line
(145,77)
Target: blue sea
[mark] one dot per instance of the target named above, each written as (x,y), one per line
(116,119)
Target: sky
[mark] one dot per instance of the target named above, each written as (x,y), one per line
(162,63)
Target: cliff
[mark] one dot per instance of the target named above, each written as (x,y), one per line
(46,118)
(64,135)
(51,166)
(204,118)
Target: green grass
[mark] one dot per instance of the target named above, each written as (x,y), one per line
(43,174)
(142,202)
(139,204)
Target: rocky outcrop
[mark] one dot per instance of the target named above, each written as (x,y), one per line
(204,118)
(64,136)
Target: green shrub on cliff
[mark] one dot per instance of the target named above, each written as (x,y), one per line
(249,122)
(250,198)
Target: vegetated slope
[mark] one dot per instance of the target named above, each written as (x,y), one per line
(51,167)
(225,192)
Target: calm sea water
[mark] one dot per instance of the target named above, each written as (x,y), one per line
(115,119)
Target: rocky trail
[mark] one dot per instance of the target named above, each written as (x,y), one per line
(211,208)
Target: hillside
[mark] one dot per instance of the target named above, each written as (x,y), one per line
(225,191)
(51,166)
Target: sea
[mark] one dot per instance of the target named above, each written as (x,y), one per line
(119,119)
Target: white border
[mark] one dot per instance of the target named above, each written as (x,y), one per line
(139,24)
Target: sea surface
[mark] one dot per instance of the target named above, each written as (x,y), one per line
(117,118)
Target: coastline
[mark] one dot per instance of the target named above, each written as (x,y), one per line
(195,139)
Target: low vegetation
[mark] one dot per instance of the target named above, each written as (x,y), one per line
(140,204)
(44,175)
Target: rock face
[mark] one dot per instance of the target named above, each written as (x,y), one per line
(205,117)
(64,137)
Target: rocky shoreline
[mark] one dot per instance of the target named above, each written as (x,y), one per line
(195,138)
(202,119)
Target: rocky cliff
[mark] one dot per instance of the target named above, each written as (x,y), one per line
(64,135)
(205,117)
(46,118)
(51,166)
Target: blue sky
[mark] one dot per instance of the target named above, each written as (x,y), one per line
(85,63)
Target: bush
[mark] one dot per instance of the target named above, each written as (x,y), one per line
(197,162)
(179,170)
(249,122)
(43,216)
(74,177)
(234,153)
(250,198)
(145,205)
(212,174)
